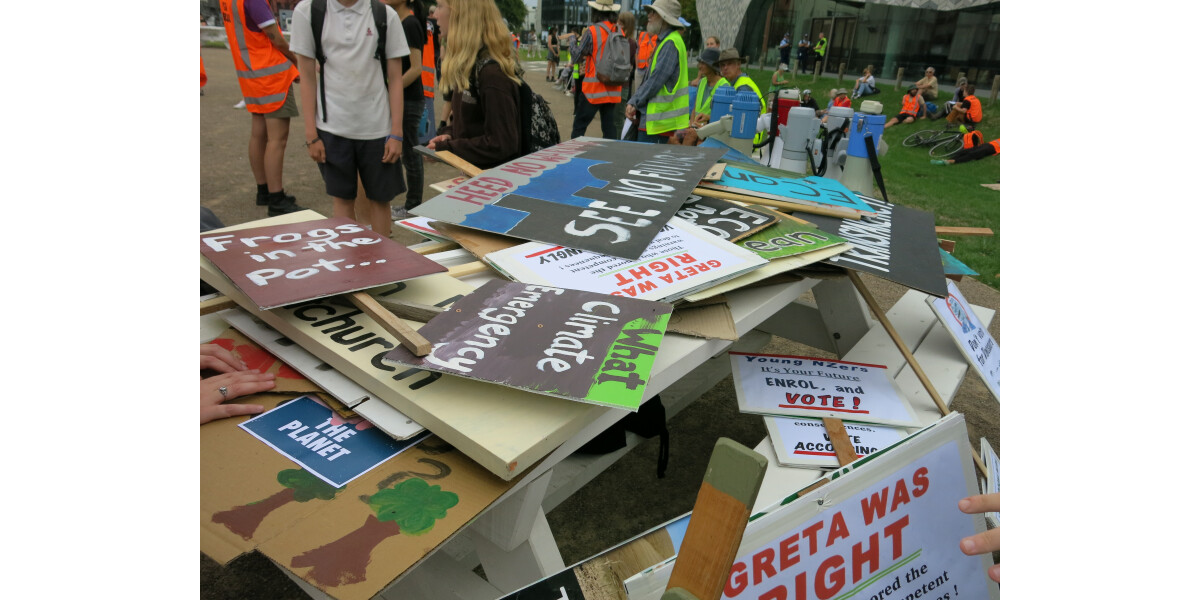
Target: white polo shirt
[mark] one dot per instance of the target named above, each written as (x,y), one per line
(354,90)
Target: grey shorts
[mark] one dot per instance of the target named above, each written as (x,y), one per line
(347,160)
(288,110)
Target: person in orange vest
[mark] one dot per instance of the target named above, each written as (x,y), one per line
(596,96)
(647,42)
(969,111)
(203,76)
(991,148)
(266,69)
(909,107)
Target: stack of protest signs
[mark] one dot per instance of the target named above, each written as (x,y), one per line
(786,187)
(582,346)
(990,482)
(972,338)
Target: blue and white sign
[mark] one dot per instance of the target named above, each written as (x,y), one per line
(774,184)
(317,438)
(977,345)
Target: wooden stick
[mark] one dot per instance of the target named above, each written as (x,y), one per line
(719,518)
(413,311)
(840,213)
(467,269)
(453,160)
(716,172)
(842,446)
(412,340)
(908,355)
(213,305)
(984,231)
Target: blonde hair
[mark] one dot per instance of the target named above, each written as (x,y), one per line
(627,21)
(474,24)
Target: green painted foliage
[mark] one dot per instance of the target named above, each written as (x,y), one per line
(413,504)
(305,486)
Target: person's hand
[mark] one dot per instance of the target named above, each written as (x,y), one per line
(216,358)
(392,149)
(316,151)
(988,541)
(236,385)
(437,138)
(630,112)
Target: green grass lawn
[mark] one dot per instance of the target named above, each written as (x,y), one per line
(952,193)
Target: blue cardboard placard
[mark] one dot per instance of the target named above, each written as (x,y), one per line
(770,183)
(326,445)
(953,266)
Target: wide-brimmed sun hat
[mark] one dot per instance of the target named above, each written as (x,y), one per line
(604,5)
(669,10)
(732,54)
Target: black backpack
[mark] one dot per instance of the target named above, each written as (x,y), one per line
(379,11)
(538,128)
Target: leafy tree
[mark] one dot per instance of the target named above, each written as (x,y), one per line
(514,11)
(298,486)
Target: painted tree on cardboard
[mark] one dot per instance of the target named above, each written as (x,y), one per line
(411,507)
(298,486)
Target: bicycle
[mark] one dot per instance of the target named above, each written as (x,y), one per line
(944,142)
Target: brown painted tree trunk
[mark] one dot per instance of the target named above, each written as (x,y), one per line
(244,520)
(345,560)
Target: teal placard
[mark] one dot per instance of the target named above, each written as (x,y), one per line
(953,266)
(788,238)
(802,190)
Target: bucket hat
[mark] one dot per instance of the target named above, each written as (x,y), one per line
(669,10)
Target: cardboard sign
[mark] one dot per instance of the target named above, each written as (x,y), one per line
(316,438)
(772,384)
(788,237)
(805,443)
(724,219)
(277,265)
(991,481)
(603,196)
(682,259)
(570,344)
(423,227)
(969,334)
(952,266)
(882,528)
(729,153)
(807,191)
(897,243)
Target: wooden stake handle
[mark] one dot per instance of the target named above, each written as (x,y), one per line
(409,338)
(842,446)
(840,213)
(908,355)
(453,160)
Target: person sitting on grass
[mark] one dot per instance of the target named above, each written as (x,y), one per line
(911,105)
(991,148)
(865,85)
(969,111)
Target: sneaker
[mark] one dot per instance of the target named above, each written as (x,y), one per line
(398,213)
(938,161)
(240,104)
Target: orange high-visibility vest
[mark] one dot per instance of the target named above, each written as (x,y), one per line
(995,144)
(911,105)
(975,114)
(263,72)
(427,65)
(593,90)
(203,75)
(646,45)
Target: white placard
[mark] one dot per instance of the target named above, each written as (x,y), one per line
(991,483)
(969,334)
(681,259)
(805,443)
(788,386)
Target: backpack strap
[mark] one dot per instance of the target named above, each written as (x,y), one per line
(318,24)
(379,10)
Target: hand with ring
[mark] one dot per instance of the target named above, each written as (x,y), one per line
(233,381)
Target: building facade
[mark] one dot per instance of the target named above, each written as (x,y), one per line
(949,35)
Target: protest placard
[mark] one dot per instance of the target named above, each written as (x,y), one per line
(802,442)
(991,479)
(603,196)
(316,438)
(783,186)
(883,528)
(896,243)
(724,219)
(277,265)
(969,334)
(681,260)
(788,237)
(787,386)
(581,346)
(423,226)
